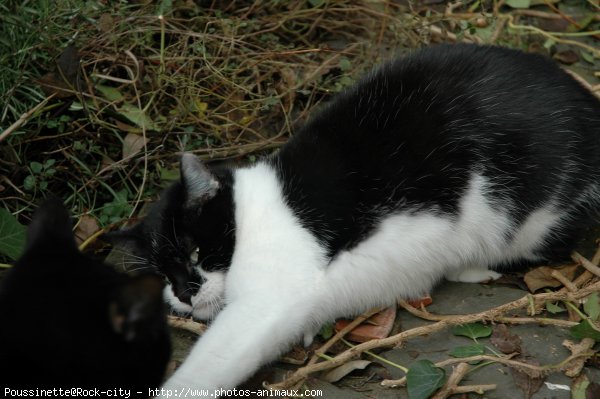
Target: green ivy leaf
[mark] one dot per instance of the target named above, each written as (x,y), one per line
(137,116)
(554,308)
(587,56)
(518,3)
(29,183)
(585,330)
(345,64)
(423,379)
(49,163)
(110,93)
(591,306)
(36,167)
(468,350)
(12,235)
(472,330)
(327,331)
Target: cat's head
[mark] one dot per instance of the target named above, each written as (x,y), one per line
(188,237)
(70,319)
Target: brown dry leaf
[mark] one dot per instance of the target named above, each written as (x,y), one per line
(505,341)
(421,302)
(132,144)
(86,227)
(105,23)
(296,356)
(567,57)
(66,78)
(592,391)
(340,372)
(124,127)
(541,277)
(526,383)
(377,326)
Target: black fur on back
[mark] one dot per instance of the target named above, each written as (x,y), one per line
(410,134)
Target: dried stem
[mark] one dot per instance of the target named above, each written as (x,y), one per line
(564,280)
(591,267)
(532,370)
(186,324)
(341,334)
(451,387)
(398,339)
(19,122)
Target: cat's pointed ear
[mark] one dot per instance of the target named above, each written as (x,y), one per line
(130,238)
(200,184)
(51,228)
(138,307)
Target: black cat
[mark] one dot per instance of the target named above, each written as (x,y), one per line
(69,321)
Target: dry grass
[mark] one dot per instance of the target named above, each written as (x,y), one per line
(226,80)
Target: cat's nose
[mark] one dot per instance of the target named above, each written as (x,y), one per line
(185,296)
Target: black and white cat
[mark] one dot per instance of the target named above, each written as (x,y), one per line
(69,321)
(455,161)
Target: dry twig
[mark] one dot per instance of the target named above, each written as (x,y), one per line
(451,387)
(495,314)
(186,324)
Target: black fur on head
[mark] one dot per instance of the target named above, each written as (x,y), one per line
(70,320)
(191,226)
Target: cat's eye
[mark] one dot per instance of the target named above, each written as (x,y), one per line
(194,256)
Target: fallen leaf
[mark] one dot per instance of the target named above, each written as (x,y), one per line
(591,306)
(541,277)
(567,57)
(137,116)
(340,372)
(592,391)
(467,350)
(86,227)
(376,327)
(526,383)
(65,79)
(554,308)
(585,329)
(518,3)
(132,144)
(297,356)
(423,301)
(553,25)
(12,235)
(112,94)
(472,330)
(505,341)
(424,378)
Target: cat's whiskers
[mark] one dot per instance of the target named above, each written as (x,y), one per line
(167,239)
(175,234)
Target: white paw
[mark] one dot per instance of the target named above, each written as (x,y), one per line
(472,275)
(309,336)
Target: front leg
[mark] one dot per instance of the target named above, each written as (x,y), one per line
(245,335)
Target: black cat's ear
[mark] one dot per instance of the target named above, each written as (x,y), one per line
(51,228)
(200,184)
(130,238)
(138,308)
